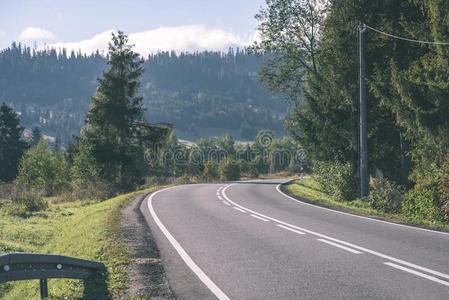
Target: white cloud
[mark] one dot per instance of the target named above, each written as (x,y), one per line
(180,38)
(36,34)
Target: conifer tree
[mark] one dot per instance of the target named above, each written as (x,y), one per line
(115,124)
(12,146)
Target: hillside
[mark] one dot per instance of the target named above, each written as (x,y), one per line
(202,94)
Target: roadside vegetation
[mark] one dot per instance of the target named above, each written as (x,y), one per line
(315,66)
(83,229)
(68,199)
(379,203)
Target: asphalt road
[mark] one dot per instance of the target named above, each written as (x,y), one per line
(248,240)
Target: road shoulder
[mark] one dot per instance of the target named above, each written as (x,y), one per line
(147,277)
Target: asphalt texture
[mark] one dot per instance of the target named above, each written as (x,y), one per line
(248,240)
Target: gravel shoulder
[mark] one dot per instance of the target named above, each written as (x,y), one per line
(147,277)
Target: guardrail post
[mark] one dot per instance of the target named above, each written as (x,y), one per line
(30,266)
(44,288)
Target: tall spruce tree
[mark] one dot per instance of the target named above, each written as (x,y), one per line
(115,127)
(12,146)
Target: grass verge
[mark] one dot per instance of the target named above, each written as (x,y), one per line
(89,230)
(308,190)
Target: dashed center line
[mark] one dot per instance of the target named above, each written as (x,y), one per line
(239,209)
(338,243)
(219,197)
(290,229)
(432,278)
(260,218)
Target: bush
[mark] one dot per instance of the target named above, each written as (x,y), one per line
(229,169)
(423,202)
(253,171)
(24,203)
(420,204)
(210,171)
(84,168)
(385,195)
(43,170)
(96,191)
(336,179)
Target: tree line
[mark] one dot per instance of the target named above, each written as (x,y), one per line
(204,94)
(315,65)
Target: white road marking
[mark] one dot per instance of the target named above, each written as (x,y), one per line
(278,188)
(340,246)
(291,229)
(257,217)
(417,273)
(219,197)
(187,259)
(219,188)
(218,193)
(384,256)
(224,201)
(239,209)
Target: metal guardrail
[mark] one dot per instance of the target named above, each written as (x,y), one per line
(28,266)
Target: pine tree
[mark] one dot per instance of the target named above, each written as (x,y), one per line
(115,125)
(12,146)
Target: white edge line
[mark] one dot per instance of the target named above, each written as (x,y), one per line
(239,209)
(278,188)
(417,273)
(340,246)
(187,259)
(227,203)
(443,275)
(260,218)
(290,229)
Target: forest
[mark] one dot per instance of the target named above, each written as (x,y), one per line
(203,94)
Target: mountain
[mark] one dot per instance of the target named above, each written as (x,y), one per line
(203,94)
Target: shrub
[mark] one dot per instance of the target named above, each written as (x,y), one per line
(420,204)
(253,171)
(444,188)
(25,202)
(423,201)
(385,195)
(229,169)
(43,170)
(336,179)
(210,171)
(84,169)
(97,191)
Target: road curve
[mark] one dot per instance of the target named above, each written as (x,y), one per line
(248,240)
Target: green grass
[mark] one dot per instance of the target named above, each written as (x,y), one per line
(79,229)
(309,190)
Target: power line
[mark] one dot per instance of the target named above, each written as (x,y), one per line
(406,39)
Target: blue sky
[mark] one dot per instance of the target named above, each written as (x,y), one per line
(154,24)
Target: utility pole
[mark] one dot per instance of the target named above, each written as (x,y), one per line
(362,110)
